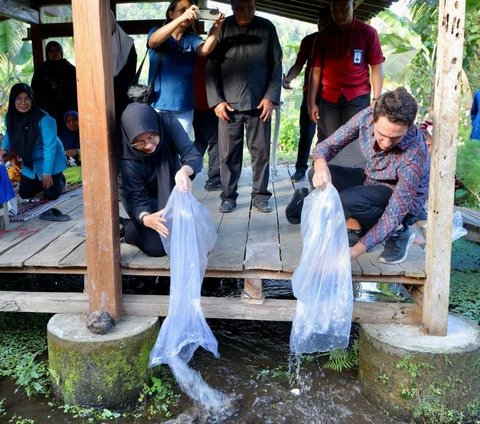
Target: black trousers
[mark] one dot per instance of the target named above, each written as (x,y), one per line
(205,126)
(333,116)
(146,239)
(29,188)
(307,131)
(230,143)
(364,203)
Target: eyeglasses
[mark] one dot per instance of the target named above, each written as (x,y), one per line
(142,143)
(26,100)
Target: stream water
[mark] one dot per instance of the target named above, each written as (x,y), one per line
(252,373)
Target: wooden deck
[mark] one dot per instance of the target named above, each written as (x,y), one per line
(250,245)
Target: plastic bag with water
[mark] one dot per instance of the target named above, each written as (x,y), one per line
(322,282)
(457,226)
(191,237)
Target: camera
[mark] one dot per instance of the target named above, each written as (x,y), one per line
(208,14)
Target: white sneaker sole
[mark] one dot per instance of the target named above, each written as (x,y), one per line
(400,260)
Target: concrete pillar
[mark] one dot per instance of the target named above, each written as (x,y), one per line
(420,377)
(106,371)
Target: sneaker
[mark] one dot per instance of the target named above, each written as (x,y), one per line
(293,212)
(298,176)
(228,206)
(214,185)
(262,206)
(396,247)
(354,236)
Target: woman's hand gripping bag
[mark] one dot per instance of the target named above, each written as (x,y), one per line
(192,235)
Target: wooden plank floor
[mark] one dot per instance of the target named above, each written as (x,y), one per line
(471,221)
(249,244)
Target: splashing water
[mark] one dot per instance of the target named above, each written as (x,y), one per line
(192,383)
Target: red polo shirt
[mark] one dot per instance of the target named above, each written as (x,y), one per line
(346,56)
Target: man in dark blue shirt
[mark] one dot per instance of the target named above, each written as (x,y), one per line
(244,75)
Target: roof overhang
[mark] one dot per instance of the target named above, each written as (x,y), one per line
(302,10)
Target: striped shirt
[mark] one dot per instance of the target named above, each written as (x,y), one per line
(405,169)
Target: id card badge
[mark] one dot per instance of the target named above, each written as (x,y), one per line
(357,56)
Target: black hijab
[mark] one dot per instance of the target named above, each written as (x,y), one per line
(50,44)
(138,118)
(23,129)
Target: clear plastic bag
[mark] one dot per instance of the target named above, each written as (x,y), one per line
(322,282)
(457,226)
(191,237)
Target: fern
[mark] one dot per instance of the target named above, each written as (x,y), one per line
(343,359)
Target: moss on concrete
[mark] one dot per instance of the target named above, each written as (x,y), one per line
(420,386)
(108,374)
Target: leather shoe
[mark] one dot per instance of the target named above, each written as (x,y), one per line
(213,185)
(298,176)
(262,206)
(228,206)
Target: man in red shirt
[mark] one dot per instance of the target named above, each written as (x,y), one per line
(307,127)
(345,55)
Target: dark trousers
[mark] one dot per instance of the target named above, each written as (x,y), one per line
(146,239)
(364,203)
(333,116)
(29,188)
(205,126)
(307,131)
(230,143)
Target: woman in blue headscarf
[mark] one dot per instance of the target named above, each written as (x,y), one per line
(32,136)
(157,155)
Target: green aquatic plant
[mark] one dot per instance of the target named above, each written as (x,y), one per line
(159,397)
(20,420)
(274,373)
(32,375)
(22,342)
(343,359)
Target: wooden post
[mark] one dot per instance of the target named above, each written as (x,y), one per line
(37,45)
(253,291)
(451,20)
(96,116)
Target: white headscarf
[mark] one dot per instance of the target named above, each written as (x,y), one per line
(121,45)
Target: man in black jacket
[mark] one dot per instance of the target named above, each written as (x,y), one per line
(244,75)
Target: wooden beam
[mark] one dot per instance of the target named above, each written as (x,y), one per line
(20,11)
(442,175)
(100,191)
(213,307)
(65,29)
(35,34)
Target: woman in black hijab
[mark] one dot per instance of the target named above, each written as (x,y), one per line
(32,135)
(157,155)
(54,83)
